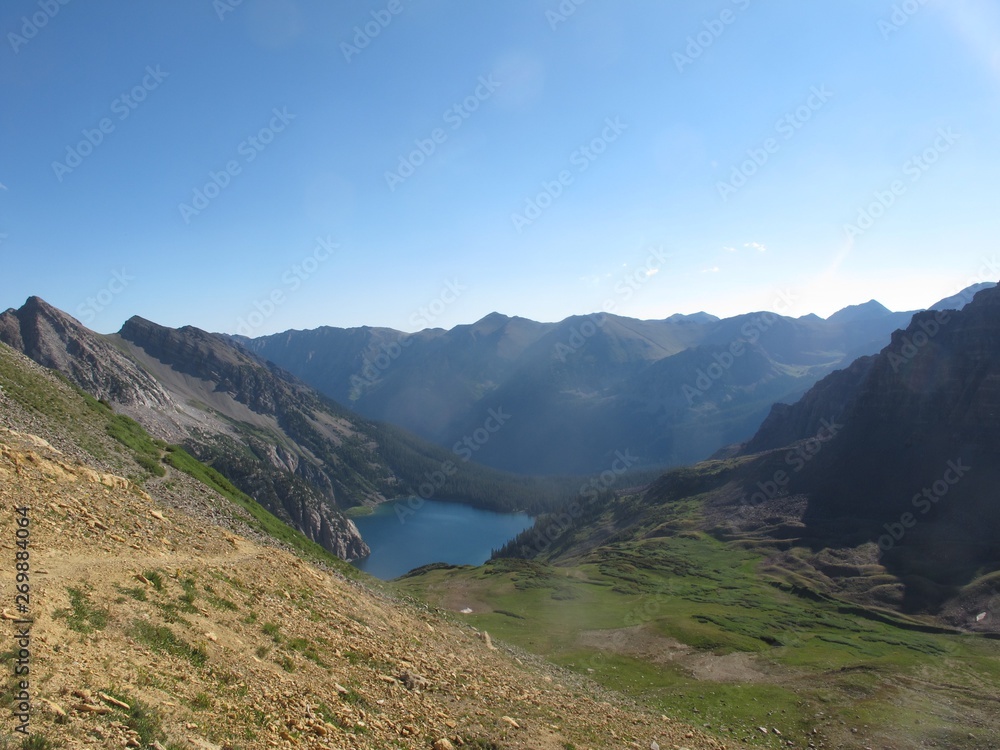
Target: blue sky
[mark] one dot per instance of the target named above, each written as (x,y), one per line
(407,164)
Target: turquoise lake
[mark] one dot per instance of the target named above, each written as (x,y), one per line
(402,538)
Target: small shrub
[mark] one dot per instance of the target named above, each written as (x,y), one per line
(155,578)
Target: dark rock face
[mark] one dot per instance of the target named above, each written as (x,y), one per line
(914,466)
(827,400)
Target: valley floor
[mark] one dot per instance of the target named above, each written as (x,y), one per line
(688,625)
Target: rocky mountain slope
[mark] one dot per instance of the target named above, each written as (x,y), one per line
(159,617)
(297,452)
(671,391)
(878,485)
(912,467)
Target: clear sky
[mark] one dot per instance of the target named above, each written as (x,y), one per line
(272,164)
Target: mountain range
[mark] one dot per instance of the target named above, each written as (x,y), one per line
(833,580)
(878,485)
(671,391)
(513,393)
(295,451)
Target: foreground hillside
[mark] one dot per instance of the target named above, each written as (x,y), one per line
(164,617)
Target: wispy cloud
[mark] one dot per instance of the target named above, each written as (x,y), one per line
(713,269)
(730,249)
(756,246)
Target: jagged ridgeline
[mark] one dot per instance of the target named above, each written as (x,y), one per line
(38,401)
(295,451)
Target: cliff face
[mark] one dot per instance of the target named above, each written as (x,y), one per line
(914,464)
(827,400)
(271,437)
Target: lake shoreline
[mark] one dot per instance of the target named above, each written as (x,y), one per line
(405,535)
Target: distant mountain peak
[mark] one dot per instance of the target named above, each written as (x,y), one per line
(865,311)
(36,305)
(698,317)
(494,317)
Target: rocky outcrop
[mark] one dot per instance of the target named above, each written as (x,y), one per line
(281,460)
(58,341)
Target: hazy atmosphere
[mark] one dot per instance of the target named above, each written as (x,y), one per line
(411,164)
(526,375)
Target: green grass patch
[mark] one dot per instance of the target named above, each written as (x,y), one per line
(201,702)
(162,639)
(140,718)
(38,742)
(273,630)
(82,615)
(147,451)
(639,615)
(136,592)
(307,649)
